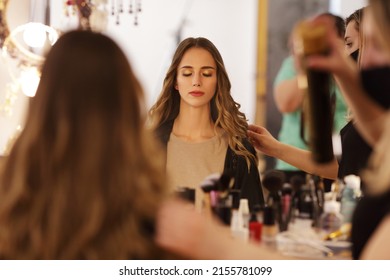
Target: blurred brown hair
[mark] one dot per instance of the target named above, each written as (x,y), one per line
(80,181)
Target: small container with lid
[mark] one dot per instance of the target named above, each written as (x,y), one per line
(331,220)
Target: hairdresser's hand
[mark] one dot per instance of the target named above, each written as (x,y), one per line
(337,61)
(263,141)
(184,231)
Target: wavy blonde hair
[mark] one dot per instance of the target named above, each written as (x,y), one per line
(357,18)
(381,12)
(80,182)
(225,112)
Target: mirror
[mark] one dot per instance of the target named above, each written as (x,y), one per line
(29,36)
(3,22)
(161,24)
(17,13)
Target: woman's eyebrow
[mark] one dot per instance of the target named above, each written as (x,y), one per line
(203,67)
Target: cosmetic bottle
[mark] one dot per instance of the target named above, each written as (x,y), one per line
(317,109)
(237,228)
(255,228)
(286,198)
(305,203)
(221,204)
(244,212)
(316,208)
(331,220)
(258,209)
(286,204)
(269,229)
(350,197)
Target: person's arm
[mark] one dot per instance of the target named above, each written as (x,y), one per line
(366,112)
(288,98)
(377,248)
(263,141)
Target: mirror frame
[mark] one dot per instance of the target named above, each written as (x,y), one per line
(4,30)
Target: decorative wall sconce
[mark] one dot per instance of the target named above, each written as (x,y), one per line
(22,52)
(25,47)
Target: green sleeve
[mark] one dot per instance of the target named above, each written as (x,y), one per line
(286,71)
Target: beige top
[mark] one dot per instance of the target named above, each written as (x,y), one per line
(188,163)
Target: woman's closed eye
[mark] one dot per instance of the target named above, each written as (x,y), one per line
(207,74)
(187,74)
(204,74)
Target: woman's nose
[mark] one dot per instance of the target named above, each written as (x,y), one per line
(196,81)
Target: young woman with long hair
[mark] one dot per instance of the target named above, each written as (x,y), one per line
(80,182)
(201,125)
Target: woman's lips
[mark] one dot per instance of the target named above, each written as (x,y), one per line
(196,93)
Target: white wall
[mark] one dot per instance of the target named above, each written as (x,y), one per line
(231,25)
(344,8)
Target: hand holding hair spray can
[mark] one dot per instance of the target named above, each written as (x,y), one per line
(310,39)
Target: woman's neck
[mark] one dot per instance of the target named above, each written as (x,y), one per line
(194,125)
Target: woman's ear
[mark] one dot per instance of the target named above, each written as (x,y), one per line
(176,86)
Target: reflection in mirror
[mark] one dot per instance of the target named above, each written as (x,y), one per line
(29,39)
(30,32)
(17,13)
(4,31)
(150,44)
(25,37)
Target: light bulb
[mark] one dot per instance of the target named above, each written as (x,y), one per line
(29,80)
(35,35)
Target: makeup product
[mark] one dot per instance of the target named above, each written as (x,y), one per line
(237,228)
(243,210)
(350,197)
(269,229)
(221,206)
(331,220)
(255,229)
(286,205)
(316,209)
(273,181)
(310,39)
(216,196)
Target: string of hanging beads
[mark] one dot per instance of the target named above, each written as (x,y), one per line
(133,8)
